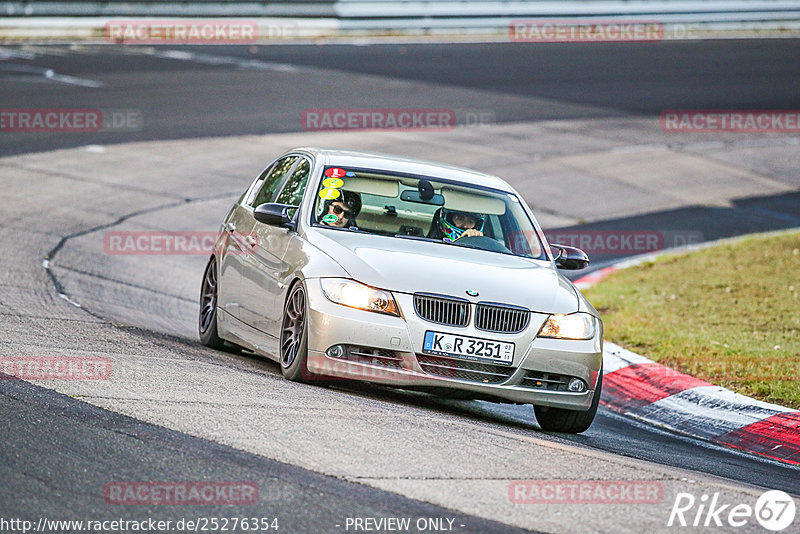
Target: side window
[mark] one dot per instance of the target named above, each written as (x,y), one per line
(292,192)
(272,180)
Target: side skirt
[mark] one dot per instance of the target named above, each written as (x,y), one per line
(234,330)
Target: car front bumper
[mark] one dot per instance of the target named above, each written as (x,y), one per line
(394,355)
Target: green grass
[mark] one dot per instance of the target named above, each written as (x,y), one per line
(729,314)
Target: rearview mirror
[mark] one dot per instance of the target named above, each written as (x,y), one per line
(569,258)
(414,196)
(274,214)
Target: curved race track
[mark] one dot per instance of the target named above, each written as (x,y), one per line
(597,164)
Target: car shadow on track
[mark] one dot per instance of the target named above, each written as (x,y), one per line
(508,415)
(613,240)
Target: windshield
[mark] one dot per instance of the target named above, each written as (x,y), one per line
(430,209)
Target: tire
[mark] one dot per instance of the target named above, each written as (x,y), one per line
(569,421)
(207,318)
(294,336)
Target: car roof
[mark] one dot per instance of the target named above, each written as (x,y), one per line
(391,162)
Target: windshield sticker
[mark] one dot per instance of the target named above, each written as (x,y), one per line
(335,183)
(330,218)
(329,194)
(335,172)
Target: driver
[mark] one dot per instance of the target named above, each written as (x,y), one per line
(344,210)
(457,224)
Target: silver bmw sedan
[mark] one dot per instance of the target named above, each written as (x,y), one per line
(418,275)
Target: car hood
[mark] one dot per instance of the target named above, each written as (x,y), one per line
(411,266)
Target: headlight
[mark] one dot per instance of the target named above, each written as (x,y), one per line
(573,326)
(357,295)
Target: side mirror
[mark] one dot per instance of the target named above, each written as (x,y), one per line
(274,215)
(570,258)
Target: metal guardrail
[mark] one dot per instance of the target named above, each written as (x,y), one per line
(715,10)
(149,8)
(314,19)
(550,8)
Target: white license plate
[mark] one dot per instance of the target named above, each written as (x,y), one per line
(468,348)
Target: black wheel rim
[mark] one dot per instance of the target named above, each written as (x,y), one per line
(208,296)
(293,326)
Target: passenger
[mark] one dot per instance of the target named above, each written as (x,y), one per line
(345,209)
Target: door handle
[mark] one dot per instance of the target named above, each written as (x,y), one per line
(230,227)
(251,241)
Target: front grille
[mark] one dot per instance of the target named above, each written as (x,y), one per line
(372,356)
(464,370)
(548,381)
(501,318)
(448,311)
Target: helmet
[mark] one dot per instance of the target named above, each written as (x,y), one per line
(450,230)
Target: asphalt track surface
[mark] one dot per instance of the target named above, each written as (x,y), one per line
(80,447)
(207,91)
(233,91)
(223,90)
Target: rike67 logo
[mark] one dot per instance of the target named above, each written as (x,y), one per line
(774,510)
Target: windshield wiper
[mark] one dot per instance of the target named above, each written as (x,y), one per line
(416,237)
(434,240)
(457,244)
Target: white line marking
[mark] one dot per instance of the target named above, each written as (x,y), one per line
(209,59)
(50,74)
(35,73)
(10,53)
(65,297)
